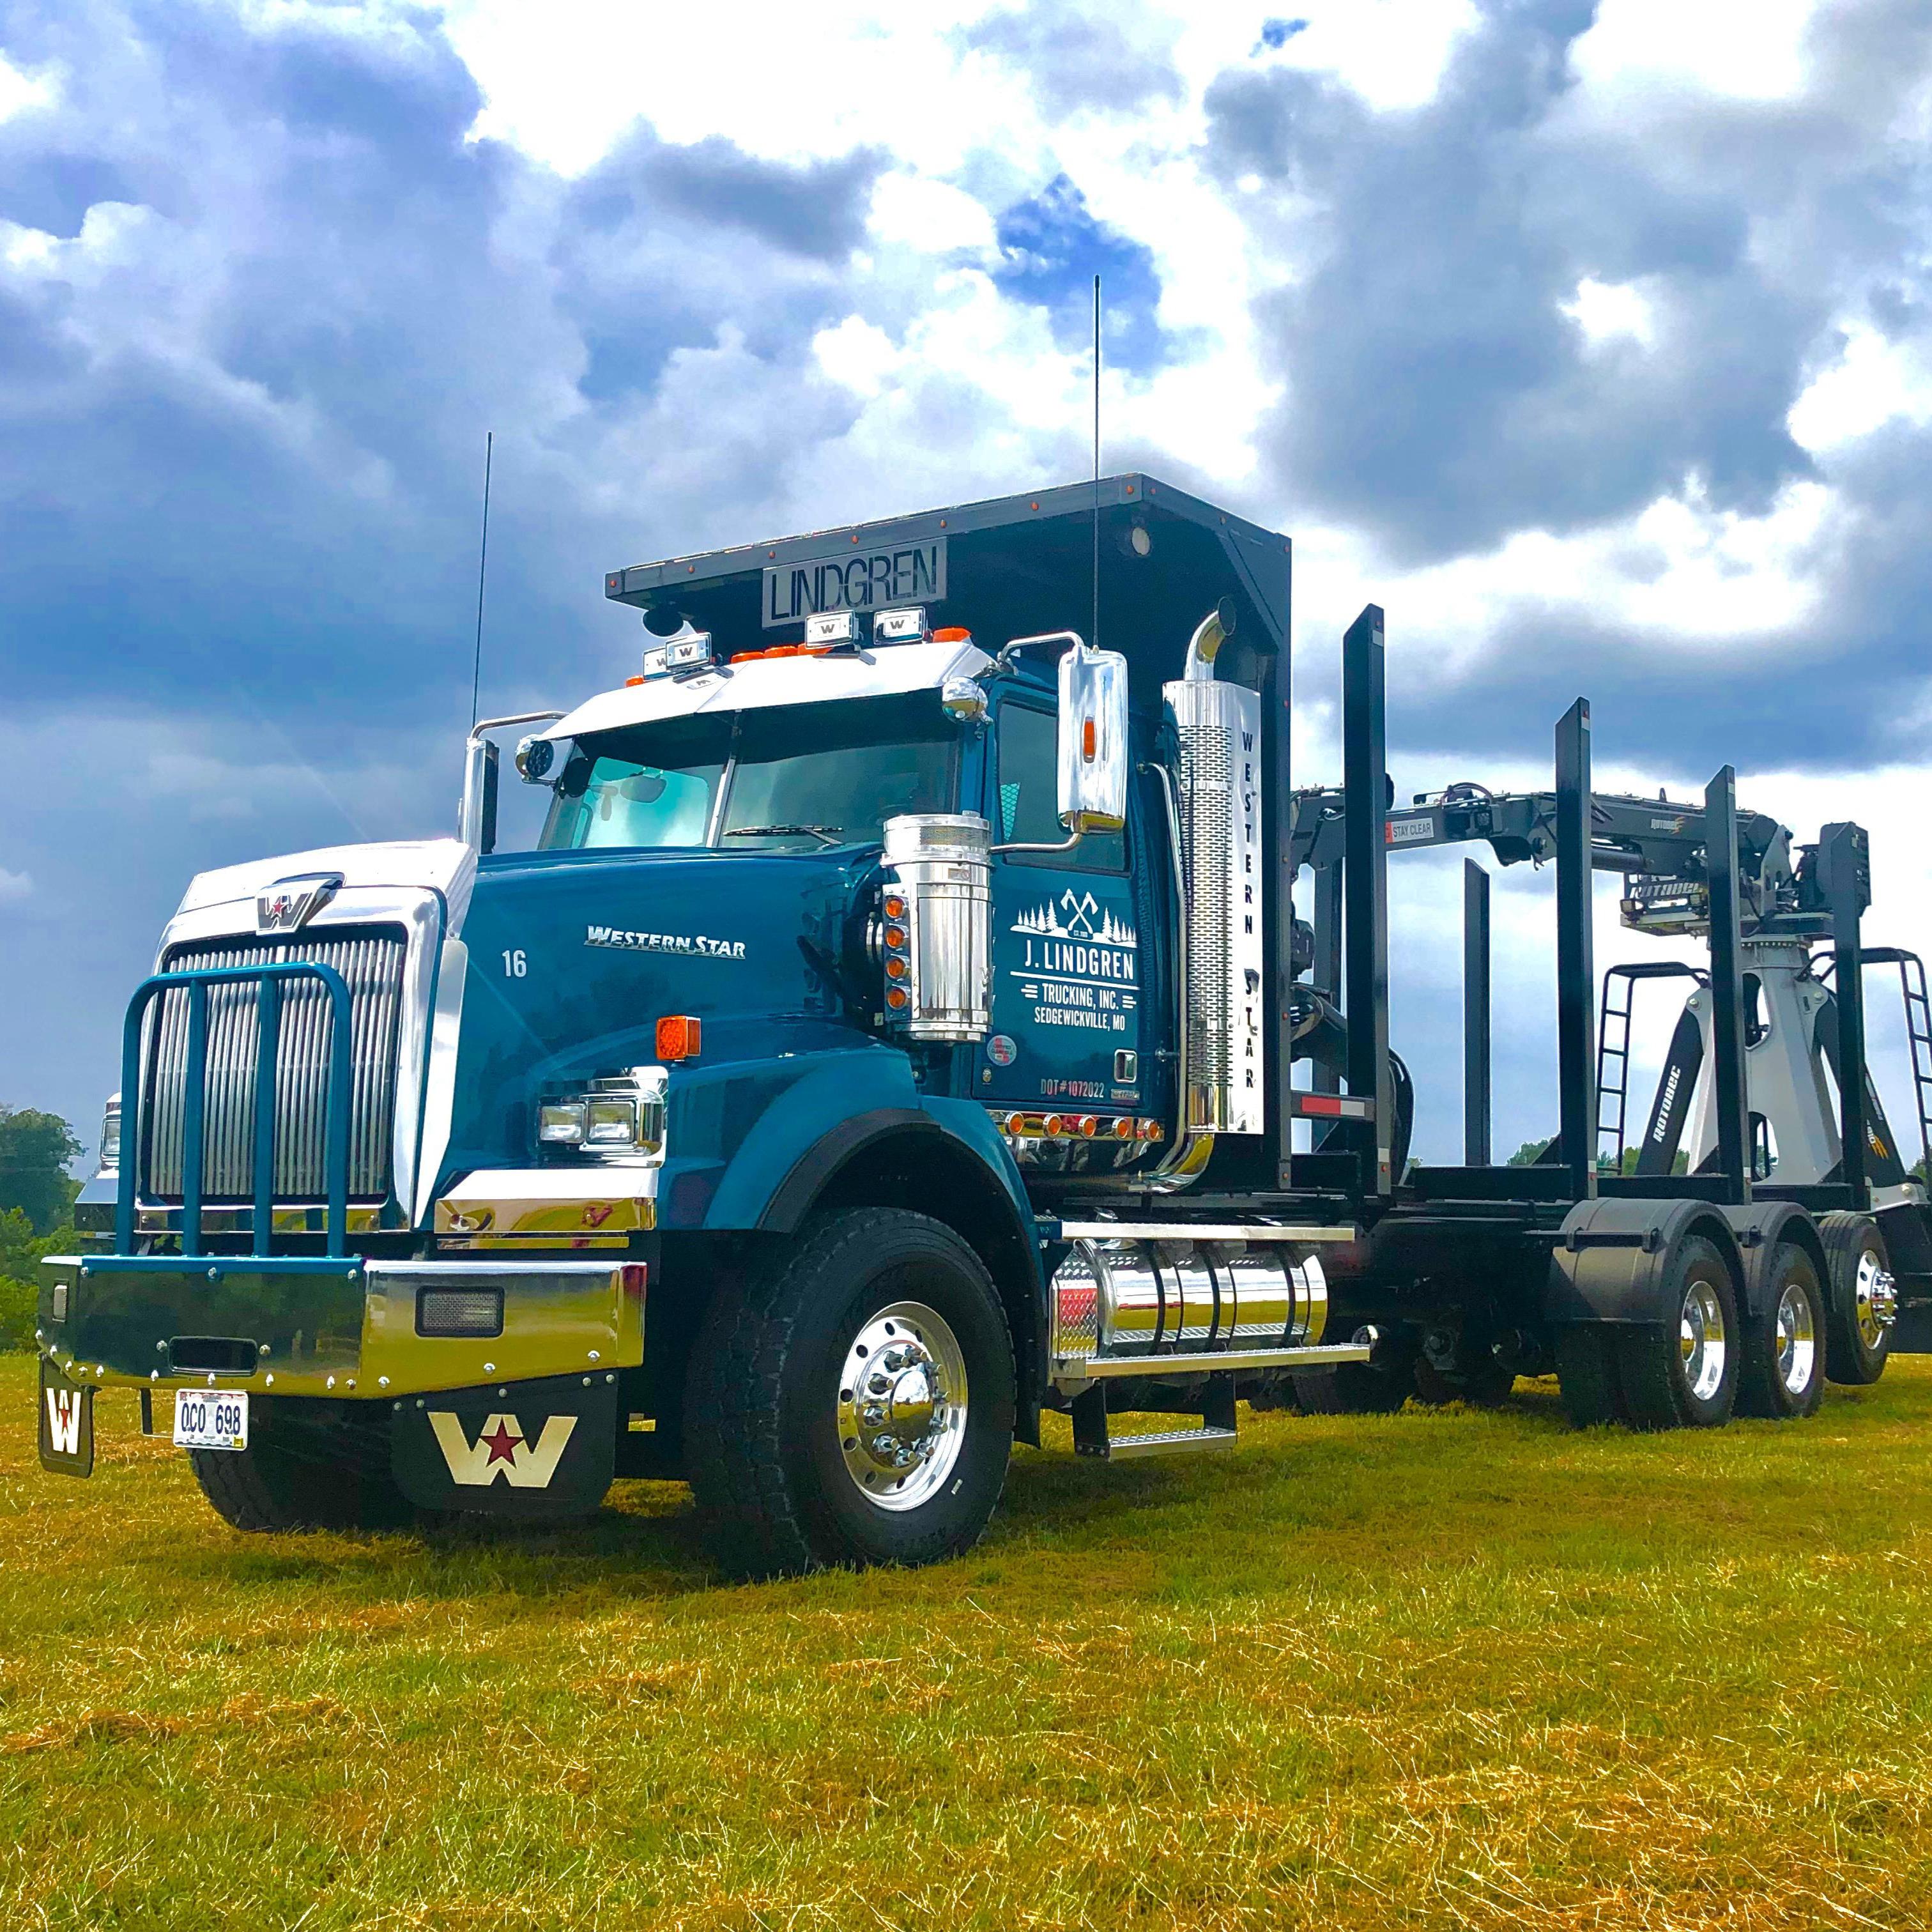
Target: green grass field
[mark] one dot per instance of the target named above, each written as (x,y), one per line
(1438,1669)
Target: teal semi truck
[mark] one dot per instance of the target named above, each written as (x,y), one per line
(902,1026)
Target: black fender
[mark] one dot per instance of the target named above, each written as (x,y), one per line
(795,1196)
(1759,1227)
(1611,1255)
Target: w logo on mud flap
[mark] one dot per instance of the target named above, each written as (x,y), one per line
(66,1435)
(64,1408)
(501,1449)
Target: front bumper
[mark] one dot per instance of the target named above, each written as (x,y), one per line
(346,1328)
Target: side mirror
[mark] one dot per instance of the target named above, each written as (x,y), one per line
(1093,740)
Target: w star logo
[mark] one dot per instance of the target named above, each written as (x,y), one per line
(502,1450)
(63,1421)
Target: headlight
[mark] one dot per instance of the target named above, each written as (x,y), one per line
(110,1136)
(620,1117)
(612,1123)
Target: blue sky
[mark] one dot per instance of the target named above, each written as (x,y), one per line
(1592,340)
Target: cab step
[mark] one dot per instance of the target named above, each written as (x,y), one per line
(1218,1430)
(1166,1442)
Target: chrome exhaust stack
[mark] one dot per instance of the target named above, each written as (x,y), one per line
(1218,727)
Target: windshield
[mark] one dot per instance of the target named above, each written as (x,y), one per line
(794,780)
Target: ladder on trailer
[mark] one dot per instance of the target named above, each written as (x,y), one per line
(1613,1032)
(1917,1028)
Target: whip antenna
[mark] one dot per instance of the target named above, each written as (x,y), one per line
(482,565)
(1097,463)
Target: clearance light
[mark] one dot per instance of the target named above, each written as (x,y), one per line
(952,634)
(781,651)
(680,1036)
(1088,741)
(895,998)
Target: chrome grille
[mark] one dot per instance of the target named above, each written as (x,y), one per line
(371,962)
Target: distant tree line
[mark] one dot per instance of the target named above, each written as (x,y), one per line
(37,1196)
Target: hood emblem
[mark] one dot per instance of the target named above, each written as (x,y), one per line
(289,905)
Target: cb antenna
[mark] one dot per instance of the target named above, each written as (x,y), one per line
(1097,463)
(482,565)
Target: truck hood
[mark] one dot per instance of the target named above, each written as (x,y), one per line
(446,866)
(574,957)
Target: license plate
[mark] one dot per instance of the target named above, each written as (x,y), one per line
(211,1419)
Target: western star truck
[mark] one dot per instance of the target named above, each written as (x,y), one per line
(902,1026)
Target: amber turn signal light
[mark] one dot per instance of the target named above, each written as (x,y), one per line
(679,1036)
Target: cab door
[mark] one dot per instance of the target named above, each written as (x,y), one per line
(1066,1036)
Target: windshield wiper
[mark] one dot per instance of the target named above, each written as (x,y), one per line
(830,834)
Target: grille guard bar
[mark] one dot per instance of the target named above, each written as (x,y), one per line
(268,976)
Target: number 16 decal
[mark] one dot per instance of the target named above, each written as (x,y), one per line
(515,965)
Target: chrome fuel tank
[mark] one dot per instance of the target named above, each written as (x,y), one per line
(1129,1298)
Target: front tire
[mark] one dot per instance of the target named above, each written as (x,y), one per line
(856,1405)
(1782,1374)
(1858,1299)
(301,1472)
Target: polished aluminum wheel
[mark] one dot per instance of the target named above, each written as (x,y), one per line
(1701,1340)
(902,1406)
(1797,1339)
(1876,1299)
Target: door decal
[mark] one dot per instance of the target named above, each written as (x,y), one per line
(1077,965)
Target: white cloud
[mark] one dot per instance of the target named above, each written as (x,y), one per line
(1874,381)
(1610,311)
(20,92)
(1391,53)
(14,885)
(1753,53)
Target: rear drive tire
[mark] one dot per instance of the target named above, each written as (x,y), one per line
(1482,1385)
(1588,1375)
(1781,1374)
(1359,1388)
(299,1472)
(855,1405)
(1858,1299)
(1682,1372)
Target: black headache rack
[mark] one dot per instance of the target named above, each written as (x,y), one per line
(1009,567)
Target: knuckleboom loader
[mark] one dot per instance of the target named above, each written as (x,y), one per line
(902,1026)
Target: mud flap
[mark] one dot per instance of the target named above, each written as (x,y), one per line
(542,1448)
(66,1423)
